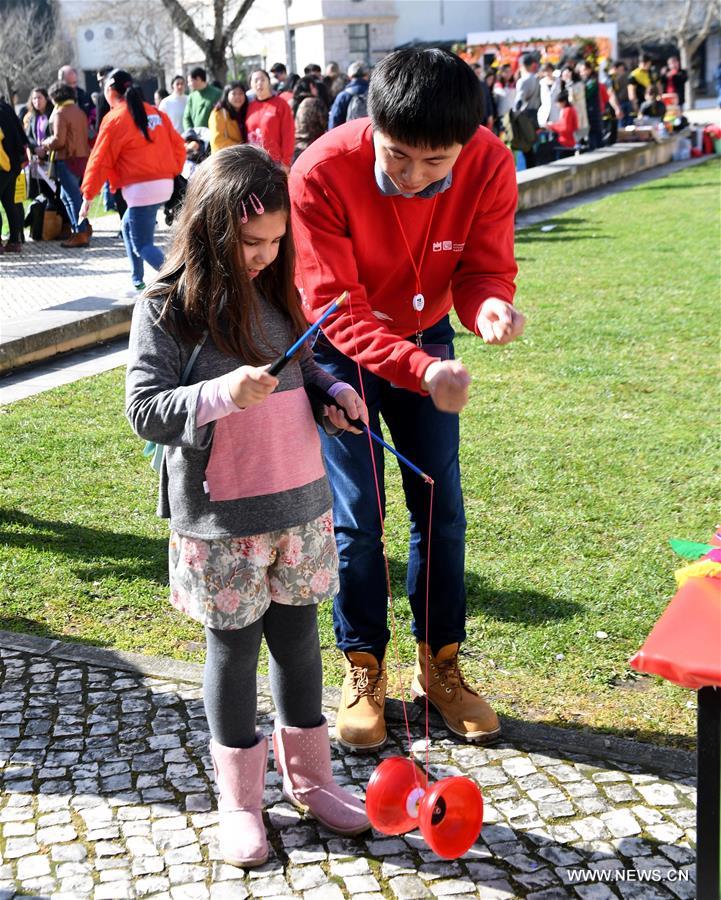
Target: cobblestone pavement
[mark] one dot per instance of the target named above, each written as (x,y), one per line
(45,274)
(107,793)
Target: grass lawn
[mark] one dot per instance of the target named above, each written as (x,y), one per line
(585,447)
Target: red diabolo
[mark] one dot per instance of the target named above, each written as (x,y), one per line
(393,794)
(449,813)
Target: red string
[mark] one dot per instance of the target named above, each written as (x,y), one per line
(428,595)
(394,631)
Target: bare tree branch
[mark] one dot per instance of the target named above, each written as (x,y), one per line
(180,17)
(237,19)
(30,49)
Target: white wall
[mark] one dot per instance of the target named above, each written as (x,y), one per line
(442,20)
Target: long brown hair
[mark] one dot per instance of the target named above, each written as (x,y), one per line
(206,262)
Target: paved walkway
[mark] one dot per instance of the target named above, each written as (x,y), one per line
(107,794)
(46,275)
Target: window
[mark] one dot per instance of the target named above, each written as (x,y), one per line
(109,33)
(89,34)
(358,41)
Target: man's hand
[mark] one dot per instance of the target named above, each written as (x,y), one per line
(250,385)
(447,382)
(499,323)
(352,405)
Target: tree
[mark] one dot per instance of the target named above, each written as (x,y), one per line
(147,34)
(31,51)
(215,48)
(684,24)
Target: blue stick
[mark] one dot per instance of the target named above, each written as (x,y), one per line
(316,391)
(358,424)
(279,364)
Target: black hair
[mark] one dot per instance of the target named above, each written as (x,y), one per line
(104,70)
(312,68)
(162,93)
(647,58)
(563,97)
(122,83)
(528,59)
(572,69)
(303,90)
(61,92)
(199,72)
(176,78)
(428,98)
(238,115)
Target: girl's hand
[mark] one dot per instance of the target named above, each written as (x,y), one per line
(250,385)
(352,405)
(83,211)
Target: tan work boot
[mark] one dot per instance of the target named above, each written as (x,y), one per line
(461,708)
(360,724)
(79,239)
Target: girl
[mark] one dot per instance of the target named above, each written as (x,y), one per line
(37,118)
(309,106)
(227,121)
(252,549)
(270,121)
(577,95)
(139,151)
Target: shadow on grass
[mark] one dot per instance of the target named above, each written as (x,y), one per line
(521,606)
(98,550)
(524,607)
(563,230)
(38,628)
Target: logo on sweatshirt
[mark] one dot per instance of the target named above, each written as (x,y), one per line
(154,121)
(440,246)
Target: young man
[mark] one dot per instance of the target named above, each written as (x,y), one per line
(174,104)
(412,212)
(639,81)
(345,101)
(202,99)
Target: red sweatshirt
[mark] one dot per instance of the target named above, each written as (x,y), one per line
(270,124)
(348,238)
(565,127)
(123,156)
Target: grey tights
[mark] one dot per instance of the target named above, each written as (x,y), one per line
(296,673)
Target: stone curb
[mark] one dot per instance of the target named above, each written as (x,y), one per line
(606,747)
(49,332)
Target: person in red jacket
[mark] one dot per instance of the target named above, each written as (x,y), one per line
(412,212)
(139,151)
(567,124)
(269,121)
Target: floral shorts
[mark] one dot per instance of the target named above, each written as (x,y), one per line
(230,582)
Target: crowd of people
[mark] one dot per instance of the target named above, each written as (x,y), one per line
(575,105)
(545,111)
(74,153)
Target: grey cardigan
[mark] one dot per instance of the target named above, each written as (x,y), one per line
(160,410)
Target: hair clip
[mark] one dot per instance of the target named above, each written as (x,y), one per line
(258,207)
(244,217)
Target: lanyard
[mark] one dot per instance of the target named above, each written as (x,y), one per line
(419,301)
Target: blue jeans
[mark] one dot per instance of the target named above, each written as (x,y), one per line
(70,194)
(138,227)
(430,439)
(626,113)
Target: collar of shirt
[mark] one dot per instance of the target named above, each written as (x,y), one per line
(388,189)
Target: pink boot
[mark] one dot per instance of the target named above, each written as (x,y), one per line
(240,776)
(302,757)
